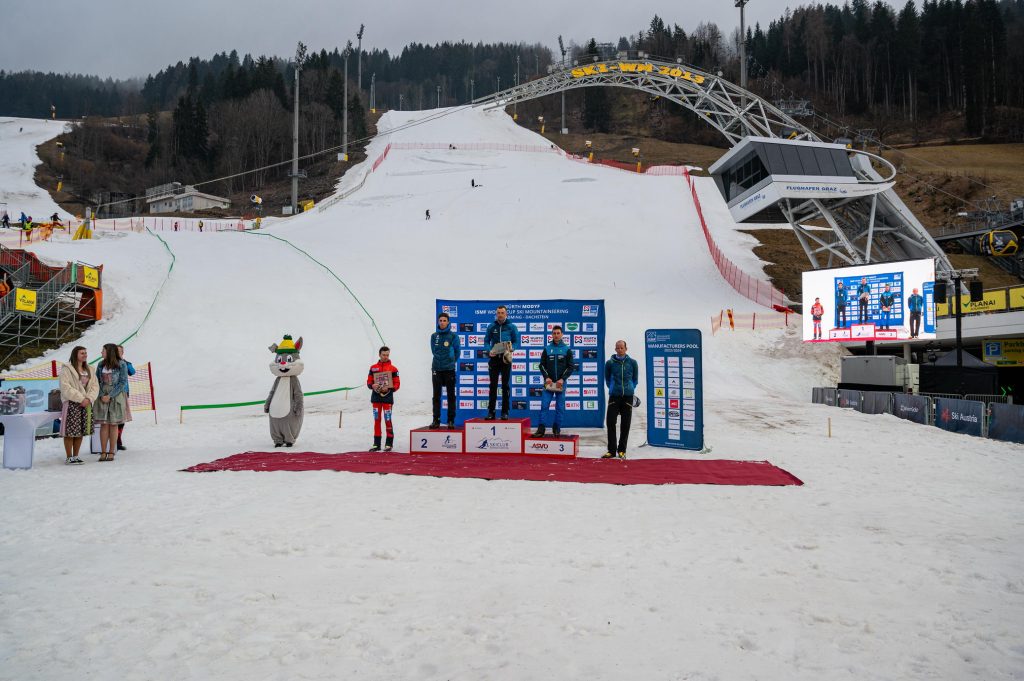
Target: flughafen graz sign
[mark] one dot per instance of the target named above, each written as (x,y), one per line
(636,67)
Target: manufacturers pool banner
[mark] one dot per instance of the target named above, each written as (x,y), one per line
(583,325)
(675,392)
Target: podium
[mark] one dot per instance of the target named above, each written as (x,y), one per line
(479,436)
(496,436)
(436,441)
(562,446)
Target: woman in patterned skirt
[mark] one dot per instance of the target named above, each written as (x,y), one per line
(113,402)
(78,390)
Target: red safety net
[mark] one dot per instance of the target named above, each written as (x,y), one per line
(761,292)
(506,467)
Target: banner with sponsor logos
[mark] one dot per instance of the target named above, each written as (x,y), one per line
(675,392)
(960,416)
(583,323)
(911,407)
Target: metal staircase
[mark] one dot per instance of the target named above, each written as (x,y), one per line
(64,305)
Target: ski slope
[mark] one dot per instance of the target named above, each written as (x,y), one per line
(19,138)
(899,558)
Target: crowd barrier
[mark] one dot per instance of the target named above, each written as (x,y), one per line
(987,417)
(752,320)
(761,292)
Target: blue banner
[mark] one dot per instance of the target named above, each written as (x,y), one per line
(583,323)
(1007,422)
(959,416)
(37,392)
(675,391)
(910,407)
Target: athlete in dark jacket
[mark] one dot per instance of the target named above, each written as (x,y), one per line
(500,331)
(556,365)
(444,345)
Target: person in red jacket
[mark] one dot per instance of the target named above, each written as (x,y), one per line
(817,312)
(382,380)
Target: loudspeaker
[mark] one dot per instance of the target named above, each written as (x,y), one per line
(977,291)
(940,292)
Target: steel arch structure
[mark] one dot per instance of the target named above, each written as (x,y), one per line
(875,228)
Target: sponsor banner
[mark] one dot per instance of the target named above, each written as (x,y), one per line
(1007,422)
(90,276)
(992,301)
(875,402)
(678,351)
(849,399)
(960,416)
(1017,297)
(24,300)
(1008,352)
(583,322)
(911,407)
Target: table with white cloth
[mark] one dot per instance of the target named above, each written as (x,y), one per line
(20,436)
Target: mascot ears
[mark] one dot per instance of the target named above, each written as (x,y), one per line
(287,346)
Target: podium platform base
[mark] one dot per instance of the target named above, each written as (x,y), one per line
(561,446)
(436,441)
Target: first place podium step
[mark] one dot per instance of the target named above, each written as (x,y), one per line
(496,437)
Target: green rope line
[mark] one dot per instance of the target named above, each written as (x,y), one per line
(329,271)
(186,407)
(170,268)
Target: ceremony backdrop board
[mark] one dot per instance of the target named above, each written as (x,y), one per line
(675,392)
(583,323)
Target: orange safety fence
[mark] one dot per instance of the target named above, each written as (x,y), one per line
(761,292)
(141,396)
(752,321)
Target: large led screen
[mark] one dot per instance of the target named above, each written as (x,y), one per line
(881,302)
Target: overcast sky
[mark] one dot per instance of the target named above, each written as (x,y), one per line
(125,38)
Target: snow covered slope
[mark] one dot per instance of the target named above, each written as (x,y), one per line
(19,138)
(898,559)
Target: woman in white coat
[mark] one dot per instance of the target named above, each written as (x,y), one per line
(79,388)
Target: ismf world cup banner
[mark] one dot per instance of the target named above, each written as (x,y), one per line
(583,325)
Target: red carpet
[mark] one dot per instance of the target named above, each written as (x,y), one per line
(491,467)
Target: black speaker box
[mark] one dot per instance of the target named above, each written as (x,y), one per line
(977,291)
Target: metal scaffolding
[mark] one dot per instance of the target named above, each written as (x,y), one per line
(876,228)
(62,303)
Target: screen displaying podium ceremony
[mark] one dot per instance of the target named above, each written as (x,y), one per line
(885,301)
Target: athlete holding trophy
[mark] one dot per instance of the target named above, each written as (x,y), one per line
(502,338)
(556,365)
